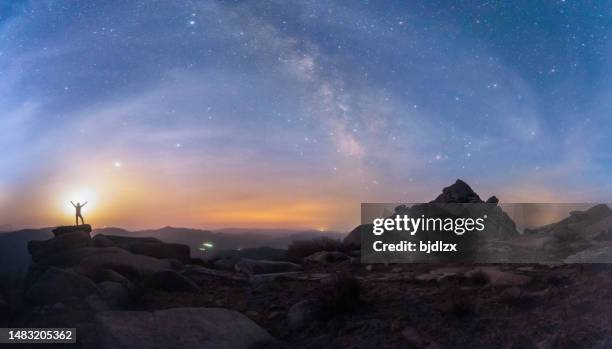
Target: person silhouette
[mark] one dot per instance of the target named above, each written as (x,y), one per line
(78,207)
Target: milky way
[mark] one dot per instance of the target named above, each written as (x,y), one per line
(289,114)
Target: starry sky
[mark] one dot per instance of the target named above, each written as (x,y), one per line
(291,113)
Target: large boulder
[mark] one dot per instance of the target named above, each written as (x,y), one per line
(113,293)
(593,255)
(303,313)
(43,249)
(170,280)
(582,237)
(598,212)
(126,242)
(132,266)
(58,285)
(600,230)
(147,246)
(102,241)
(179,328)
(84,228)
(102,275)
(249,266)
(73,256)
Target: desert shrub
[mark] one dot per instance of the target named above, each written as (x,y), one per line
(299,249)
(339,294)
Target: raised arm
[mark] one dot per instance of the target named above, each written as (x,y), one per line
(85,203)
(72,203)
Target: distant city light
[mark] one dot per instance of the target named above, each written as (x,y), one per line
(206,246)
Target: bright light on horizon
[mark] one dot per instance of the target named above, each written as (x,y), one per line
(81,195)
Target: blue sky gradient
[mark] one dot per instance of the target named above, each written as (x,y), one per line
(283,113)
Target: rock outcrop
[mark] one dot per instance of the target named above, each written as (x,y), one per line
(582,237)
(44,250)
(132,266)
(303,313)
(61,230)
(448,204)
(71,263)
(459,192)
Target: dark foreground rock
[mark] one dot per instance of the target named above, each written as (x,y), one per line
(179,328)
(113,293)
(303,313)
(57,285)
(170,280)
(43,250)
(131,266)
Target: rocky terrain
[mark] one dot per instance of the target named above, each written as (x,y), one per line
(140,292)
(15,258)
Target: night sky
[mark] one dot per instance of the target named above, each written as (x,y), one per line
(290,114)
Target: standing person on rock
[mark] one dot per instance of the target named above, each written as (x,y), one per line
(78,207)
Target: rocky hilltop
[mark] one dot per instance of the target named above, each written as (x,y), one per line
(448,203)
(106,274)
(142,292)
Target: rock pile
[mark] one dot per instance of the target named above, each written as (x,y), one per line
(105,273)
(582,237)
(448,204)
(72,264)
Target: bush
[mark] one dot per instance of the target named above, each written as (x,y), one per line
(303,248)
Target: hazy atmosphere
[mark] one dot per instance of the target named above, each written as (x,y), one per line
(289,114)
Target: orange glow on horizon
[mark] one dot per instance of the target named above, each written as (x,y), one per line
(123,198)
